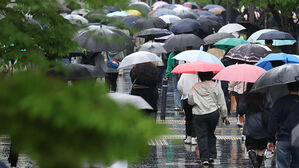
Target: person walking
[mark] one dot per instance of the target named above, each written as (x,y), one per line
(144,79)
(284,117)
(185,83)
(256,107)
(208,103)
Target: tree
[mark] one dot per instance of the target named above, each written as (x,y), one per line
(58,125)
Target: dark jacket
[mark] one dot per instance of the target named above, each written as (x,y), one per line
(284,117)
(257,114)
(144,78)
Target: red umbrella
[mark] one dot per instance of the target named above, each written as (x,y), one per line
(197,66)
(240,73)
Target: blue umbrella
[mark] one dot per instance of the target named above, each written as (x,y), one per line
(184,26)
(213,18)
(163,11)
(168,6)
(211,6)
(118,13)
(286,58)
(276,35)
(204,12)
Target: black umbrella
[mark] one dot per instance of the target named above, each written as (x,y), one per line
(213,38)
(65,10)
(71,72)
(280,75)
(184,26)
(215,18)
(276,35)
(143,23)
(248,53)
(188,15)
(181,41)
(154,33)
(129,21)
(213,25)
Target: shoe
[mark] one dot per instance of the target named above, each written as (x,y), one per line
(187,140)
(205,163)
(211,160)
(252,157)
(193,141)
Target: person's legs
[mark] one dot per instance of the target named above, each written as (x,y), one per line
(201,131)
(295,157)
(111,79)
(176,93)
(283,155)
(213,121)
(188,114)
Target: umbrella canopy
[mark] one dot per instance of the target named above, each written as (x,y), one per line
(129,21)
(286,58)
(133,12)
(65,10)
(240,73)
(280,75)
(181,10)
(191,5)
(76,19)
(144,23)
(96,16)
(168,6)
(231,27)
(140,6)
(213,38)
(247,53)
(228,43)
(217,52)
(81,12)
(153,47)
(137,58)
(164,37)
(211,6)
(184,26)
(169,19)
(204,13)
(102,38)
(154,33)
(181,41)
(213,26)
(118,14)
(217,11)
(276,35)
(214,18)
(195,67)
(158,4)
(162,11)
(136,101)
(254,38)
(295,136)
(197,55)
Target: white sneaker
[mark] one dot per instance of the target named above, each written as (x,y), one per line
(187,140)
(193,141)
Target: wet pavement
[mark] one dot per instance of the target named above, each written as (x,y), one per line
(170,150)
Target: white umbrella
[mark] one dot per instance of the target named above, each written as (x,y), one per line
(76,19)
(197,55)
(231,27)
(169,19)
(153,47)
(136,101)
(81,12)
(182,10)
(137,58)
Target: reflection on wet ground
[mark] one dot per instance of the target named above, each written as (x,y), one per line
(170,151)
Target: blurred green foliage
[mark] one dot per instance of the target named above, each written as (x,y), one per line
(55,124)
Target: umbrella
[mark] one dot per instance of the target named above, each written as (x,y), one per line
(181,10)
(217,52)
(118,14)
(158,4)
(188,15)
(280,75)
(129,21)
(217,11)
(137,58)
(276,35)
(211,6)
(286,58)
(140,6)
(133,12)
(169,19)
(247,53)
(154,33)
(214,18)
(295,136)
(136,101)
(161,12)
(65,10)
(143,23)
(191,5)
(81,12)
(214,26)
(96,16)
(197,55)
(109,9)
(213,38)
(168,6)
(240,73)
(181,41)
(184,26)
(102,38)
(165,37)
(231,27)
(198,66)
(152,47)
(76,19)
(228,43)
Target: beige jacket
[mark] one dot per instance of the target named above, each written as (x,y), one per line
(207,97)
